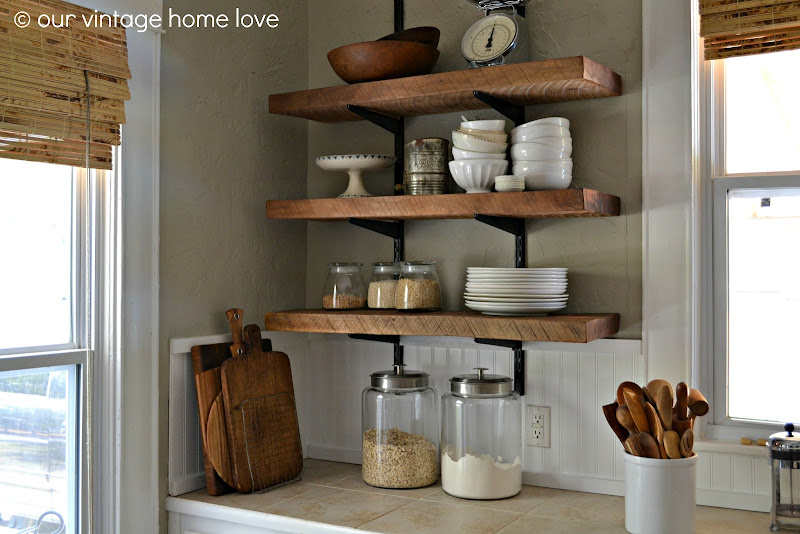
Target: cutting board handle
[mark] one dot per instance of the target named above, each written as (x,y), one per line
(252,339)
(235,319)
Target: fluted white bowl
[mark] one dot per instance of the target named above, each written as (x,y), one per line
(535,132)
(476,144)
(534,151)
(467,154)
(497,137)
(477,175)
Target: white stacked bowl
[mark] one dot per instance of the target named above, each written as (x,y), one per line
(541,153)
(479,153)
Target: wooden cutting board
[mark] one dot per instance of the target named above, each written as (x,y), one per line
(261,415)
(206,362)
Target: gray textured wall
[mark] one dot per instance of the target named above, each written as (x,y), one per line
(222,156)
(603,255)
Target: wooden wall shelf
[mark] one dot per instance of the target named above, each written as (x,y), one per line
(534,82)
(523,205)
(556,328)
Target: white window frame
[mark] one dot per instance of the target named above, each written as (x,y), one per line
(715,183)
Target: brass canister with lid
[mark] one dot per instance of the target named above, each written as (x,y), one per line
(426,170)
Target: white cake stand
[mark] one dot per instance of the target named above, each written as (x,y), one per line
(355,165)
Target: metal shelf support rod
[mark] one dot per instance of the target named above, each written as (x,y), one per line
(512,226)
(395,340)
(512,111)
(519,359)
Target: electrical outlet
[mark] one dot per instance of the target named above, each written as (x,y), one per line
(538,431)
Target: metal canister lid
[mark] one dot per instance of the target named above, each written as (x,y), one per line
(785,445)
(481,384)
(399,379)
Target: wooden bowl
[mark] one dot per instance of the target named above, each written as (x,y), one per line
(423,34)
(382,60)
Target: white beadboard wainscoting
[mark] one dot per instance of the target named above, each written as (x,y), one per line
(574,380)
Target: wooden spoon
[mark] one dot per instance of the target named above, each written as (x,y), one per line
(634,402)
(697,403)
(655,428)
(655,385)
(632,444)
(672,444)
(633,386)
(687,443)
(664,405)
(610,411)
(649,396)
(624,418)
(681,400)
(648,445)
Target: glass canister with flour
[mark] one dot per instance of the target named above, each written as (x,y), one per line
(481,437)
(400,424)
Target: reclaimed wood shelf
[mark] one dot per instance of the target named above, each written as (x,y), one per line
(557,328)
(534,82)
(523,205)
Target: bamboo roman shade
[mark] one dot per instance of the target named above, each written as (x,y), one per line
(744,27)
(44,72)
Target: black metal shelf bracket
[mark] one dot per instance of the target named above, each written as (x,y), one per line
(512,111)
(512,226)
(388,123)
(393,229)
(395,340)
(519,359)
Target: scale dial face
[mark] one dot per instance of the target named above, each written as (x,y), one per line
(489,38)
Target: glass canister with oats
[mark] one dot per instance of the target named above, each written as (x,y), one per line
(418,288)
(344,287)
(399,419)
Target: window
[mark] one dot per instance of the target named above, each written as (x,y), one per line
(754,136)
(49,222)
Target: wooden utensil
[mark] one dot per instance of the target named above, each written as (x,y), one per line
(687,443)
(633,386)
(634,402)
(624,418)
(698,404)
(648,446)
(610,412)
(680,421)
(664,405)
(672,444)
(632,444)
(423,34)
(649,396)
(655,428)
(261,417)
(655,385)
(218,449)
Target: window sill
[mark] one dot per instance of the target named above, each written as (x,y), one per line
(729,447)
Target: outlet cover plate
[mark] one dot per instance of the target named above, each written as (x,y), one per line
(538,428)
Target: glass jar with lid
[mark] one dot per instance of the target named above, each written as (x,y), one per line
(418,287)
(784,458)
(481,437)
(344,287)
(400,423)
(382,285)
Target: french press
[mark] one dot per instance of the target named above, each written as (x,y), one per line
(784,457)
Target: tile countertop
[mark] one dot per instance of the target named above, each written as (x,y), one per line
(333,494)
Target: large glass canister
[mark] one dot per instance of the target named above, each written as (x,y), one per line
(344,287)
(481,437)
(418,287)
(400,423)
(784,457)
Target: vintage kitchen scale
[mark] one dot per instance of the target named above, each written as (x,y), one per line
(500,37)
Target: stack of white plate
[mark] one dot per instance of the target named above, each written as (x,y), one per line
(505,291)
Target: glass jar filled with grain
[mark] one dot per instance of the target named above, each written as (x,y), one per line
(400,425)
(418,287)
(382,285)
(344,287)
